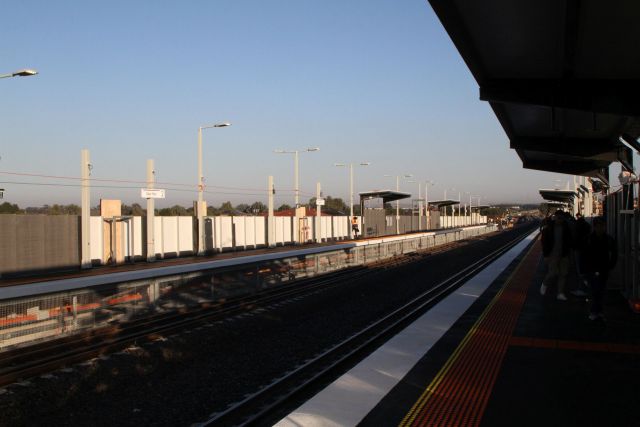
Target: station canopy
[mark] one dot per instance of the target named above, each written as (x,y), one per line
(562,76)
(443,203)
(554,205)
(386,195)
(561,196)
(480,207)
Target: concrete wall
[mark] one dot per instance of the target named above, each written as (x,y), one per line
(175,236)
(29,243)
(378,223)
(41,242)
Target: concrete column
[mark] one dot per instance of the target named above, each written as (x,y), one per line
(85,224)
(318,215)
(151,206)
(271,232)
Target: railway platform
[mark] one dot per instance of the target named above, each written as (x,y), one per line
(495,353)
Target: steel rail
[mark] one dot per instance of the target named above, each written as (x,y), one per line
(23,363)
(261,404)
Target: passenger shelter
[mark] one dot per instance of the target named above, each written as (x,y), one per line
(375,221)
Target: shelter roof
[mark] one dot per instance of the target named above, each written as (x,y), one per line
(560,75)
(386,195)
(562,196)
(443,203)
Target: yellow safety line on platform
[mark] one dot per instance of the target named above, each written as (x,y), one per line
(429,391)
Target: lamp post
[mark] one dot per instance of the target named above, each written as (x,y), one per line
(295,168)
(478,197)
(20,73)
(419,205)
(465,208)
(445,198)
(426,199)
(201,235)
(351,189)
(398,201)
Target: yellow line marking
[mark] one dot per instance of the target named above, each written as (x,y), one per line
(417,407)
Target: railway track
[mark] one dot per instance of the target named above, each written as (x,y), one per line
(261,407)
(37,359)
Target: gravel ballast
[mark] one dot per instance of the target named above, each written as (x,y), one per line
(181,379)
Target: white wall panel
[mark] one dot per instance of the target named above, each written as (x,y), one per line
(95,230)
(288,221)
(169,234)
(261,229)
(326,227)
(138,244)
(185,234)
(157,233)
(279,234)
(239,224)
(226,232)
(250,235)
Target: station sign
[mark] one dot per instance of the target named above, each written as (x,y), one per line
(319,202)
(152,193)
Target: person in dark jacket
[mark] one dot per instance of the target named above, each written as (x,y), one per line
(583,229)
(601,255)
(556,248)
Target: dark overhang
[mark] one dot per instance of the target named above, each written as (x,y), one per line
(480,207)
(562,196)
(443,203)
(386,195)
(562,76)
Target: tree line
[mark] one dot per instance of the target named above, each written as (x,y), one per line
(332,205)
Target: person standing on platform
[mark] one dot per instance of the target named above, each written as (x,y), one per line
(601,255)
(583,229)
(354,227)
(556,247)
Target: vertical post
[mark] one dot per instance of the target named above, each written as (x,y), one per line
(398,206)
(85,227)
(470,209)
(350,200)
(426,203)
(199,212)
(151,248)
(296,178)
(318,215)
(419,206)
(271,232)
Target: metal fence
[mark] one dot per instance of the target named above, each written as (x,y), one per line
(25,320)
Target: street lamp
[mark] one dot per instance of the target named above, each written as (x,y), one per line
(20,73)
(476,196)
(398,201)
(465,209)
(199,209)
(426,198)
(351,189)
(445,198)
(295,168)
(419,205)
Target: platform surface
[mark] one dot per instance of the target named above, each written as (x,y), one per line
(496,354)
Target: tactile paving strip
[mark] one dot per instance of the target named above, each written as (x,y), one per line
(459,393)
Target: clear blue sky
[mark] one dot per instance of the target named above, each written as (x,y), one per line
(365,80)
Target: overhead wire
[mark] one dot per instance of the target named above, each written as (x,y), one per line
(125,181)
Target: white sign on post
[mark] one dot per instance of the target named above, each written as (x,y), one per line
(319,202)
(151,193)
